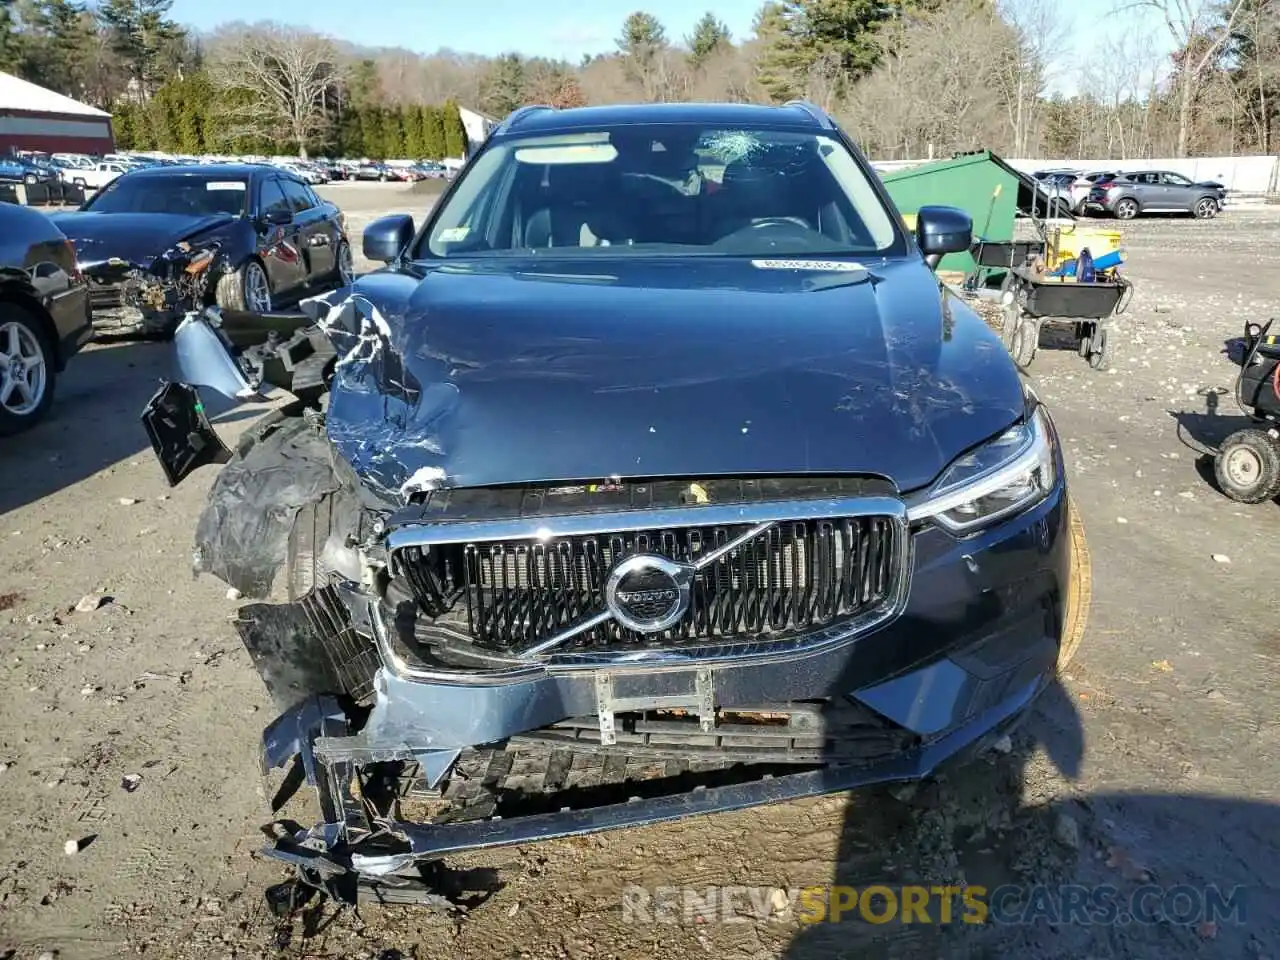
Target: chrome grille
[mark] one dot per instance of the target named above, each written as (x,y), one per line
(796,575)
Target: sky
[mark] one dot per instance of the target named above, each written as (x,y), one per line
(493,27)
(472,26)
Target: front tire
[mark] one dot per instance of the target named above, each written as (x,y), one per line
(246,289)
(27,374)
(1247,466)
(345,271)
(1126,209)
(1206,208)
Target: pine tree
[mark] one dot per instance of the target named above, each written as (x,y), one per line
(433,133)
(709,36)
(455,134)
(504,85)
(642,43)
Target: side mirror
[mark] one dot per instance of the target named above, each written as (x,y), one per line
(278,217)
(943,230)
(387,237)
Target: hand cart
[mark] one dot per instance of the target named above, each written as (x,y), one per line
(1028,301)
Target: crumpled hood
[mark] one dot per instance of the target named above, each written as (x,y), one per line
(511,373)
(137,238)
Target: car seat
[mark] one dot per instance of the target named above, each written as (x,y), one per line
(577,205)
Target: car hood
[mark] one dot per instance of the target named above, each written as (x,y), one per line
(511,373)
(137,238)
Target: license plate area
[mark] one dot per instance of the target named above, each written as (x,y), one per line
(624,692)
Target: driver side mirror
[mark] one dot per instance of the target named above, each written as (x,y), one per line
(278,218)
(387,237)
(943,230)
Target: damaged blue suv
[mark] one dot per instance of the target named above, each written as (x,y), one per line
(657,474)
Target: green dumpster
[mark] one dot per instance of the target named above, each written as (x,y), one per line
(980,183)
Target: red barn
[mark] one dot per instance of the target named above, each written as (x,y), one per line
(33,118)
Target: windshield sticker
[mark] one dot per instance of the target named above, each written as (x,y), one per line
(826,266)
(454,234)
(226,185)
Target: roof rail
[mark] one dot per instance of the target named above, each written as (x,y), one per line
(519,113)
(813,110)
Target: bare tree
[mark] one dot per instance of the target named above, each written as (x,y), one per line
(277,80)
(1038,30)
(1199,29)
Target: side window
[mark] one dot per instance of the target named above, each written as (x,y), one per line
(272,199)
(1176,180)
(312,196)
(1151,178)
(297,196)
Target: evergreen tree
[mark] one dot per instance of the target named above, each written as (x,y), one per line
(642,44)
(709,36)
(433,133)
(504,85)
(455,134)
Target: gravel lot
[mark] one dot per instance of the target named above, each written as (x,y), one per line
(1156,761)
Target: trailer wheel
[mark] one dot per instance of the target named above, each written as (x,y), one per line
(1247,466)
(1026,340)
(1099,350)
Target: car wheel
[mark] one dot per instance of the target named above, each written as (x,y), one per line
(1099,350)
(1079,589)
(1206,208)
(26,370)
(1247,466)
(30,179)
(346,267)
(1126,209)
(382,178)
(79,182)
(245,289)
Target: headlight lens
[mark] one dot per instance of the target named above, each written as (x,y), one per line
(1004,476)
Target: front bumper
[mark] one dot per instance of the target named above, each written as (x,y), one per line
(975,643)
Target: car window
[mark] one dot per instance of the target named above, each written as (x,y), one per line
(296,193)
(312,196)
(665,189)
(1176,180)
(273,199)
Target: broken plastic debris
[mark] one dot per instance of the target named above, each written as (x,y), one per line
(130,782)
(423,480)
(1221,558)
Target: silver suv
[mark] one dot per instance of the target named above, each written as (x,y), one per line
(1155,191)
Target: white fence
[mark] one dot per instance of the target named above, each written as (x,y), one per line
(1240,174)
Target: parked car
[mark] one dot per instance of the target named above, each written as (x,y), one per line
(44,314)
(612,466)
(271,237)
(371,171)
(430,170)
(1055,188)
(15,169)
(1127,195)
(100,174)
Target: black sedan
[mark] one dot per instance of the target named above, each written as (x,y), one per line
(44,313)
(160,241)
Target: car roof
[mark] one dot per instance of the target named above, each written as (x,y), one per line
(203,170)
(729,115)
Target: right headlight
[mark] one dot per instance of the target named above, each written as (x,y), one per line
(1004,476)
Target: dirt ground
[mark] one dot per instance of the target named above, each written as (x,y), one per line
(1155,762)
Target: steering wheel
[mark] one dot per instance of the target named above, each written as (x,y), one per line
(790,232)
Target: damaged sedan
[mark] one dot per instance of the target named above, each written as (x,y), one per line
(655,475)
(160,241)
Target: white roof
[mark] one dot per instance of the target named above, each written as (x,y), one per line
(18,94)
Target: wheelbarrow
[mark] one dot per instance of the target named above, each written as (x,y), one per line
(1029,301)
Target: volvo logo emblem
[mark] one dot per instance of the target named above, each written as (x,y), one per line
(648,593)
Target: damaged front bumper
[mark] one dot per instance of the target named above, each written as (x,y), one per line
(150,299)
(437,766)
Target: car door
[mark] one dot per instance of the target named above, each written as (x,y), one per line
(279,243)
(1180,192)
(313,229)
